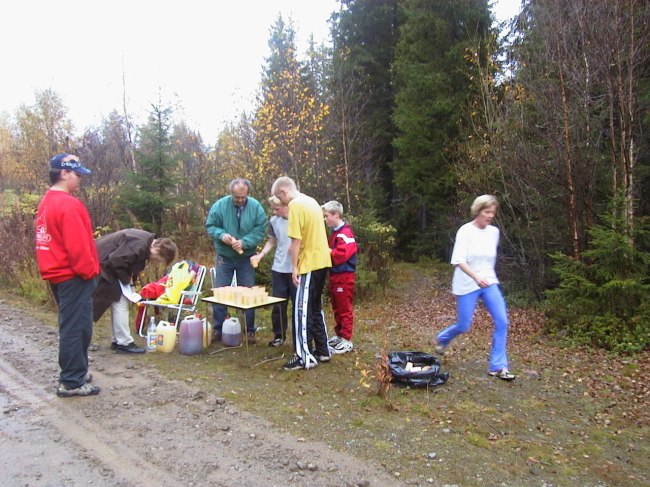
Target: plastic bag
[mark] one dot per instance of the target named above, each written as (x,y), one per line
(178,279)
(416,369)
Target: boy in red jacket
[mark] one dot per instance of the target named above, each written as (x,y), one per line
(67,259)
(344,248)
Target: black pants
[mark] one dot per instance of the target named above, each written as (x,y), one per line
(74,298)
(309,323)
(283,287)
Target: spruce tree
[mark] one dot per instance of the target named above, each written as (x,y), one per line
(148,191)
(432,82)
(364,34)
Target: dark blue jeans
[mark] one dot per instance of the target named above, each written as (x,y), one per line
(282,288)
(74,298)
(225,269)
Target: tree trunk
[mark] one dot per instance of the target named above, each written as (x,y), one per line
(568,152)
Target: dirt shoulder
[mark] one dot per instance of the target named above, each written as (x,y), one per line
(143,429)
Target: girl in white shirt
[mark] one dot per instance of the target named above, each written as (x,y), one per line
(474,257)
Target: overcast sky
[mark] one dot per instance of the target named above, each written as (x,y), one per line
(203,57)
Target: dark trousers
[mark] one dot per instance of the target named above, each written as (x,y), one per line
(74,298)
(282,287)
(309,323)
(225,270)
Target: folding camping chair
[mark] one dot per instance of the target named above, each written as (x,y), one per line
(213,277)
(187,303)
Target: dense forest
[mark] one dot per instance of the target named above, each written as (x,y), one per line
(415,108)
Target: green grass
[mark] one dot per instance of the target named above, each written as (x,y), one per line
(479,428)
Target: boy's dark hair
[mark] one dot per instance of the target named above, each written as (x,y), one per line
(166,249)
(55,176)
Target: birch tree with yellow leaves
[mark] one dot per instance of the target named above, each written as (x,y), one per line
(289,122)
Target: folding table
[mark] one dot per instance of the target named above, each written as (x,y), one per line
(241,313)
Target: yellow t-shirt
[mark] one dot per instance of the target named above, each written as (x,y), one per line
(306,224)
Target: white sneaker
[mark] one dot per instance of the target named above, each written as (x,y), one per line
(343,346)
(333,341)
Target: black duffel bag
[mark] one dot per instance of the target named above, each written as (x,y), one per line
(416,369)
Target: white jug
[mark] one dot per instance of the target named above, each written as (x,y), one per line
(231,332)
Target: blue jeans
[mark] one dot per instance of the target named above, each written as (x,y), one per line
(74,298)
(225,269)
(496,306)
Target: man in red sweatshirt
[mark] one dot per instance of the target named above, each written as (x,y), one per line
(67,259)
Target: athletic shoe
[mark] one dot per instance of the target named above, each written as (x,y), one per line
(343,346)
(295,363)
(440,349)
(276,342)
(502,374)
(334,340)
(130,348)
(320,357)
(84,390)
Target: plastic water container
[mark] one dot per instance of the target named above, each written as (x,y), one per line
(190,335)
(166,337)
(207,333)
(231,332)
(152,335)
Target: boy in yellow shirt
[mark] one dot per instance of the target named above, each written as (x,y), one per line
(310,256)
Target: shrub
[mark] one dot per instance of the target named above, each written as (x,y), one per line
(603,300)
(376,242)
(17,254)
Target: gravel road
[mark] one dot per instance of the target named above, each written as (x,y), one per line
(142,429)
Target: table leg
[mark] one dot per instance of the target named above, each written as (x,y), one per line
(244,332)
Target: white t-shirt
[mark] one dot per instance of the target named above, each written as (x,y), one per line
(476,247)
(278,230)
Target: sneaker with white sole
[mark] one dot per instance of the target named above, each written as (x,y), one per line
(84,390)
(502,374)
(334,340)
(294,363)
(343,346)
(440,349)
